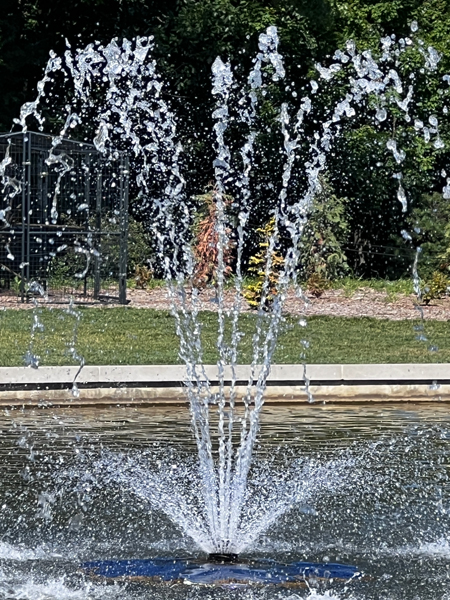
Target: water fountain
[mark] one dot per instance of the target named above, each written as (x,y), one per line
(133,117)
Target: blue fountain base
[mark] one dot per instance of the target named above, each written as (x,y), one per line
(173,570)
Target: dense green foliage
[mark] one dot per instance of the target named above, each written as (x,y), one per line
(189,34)
(326,233)
(429,222)
(145,336)
(63,267)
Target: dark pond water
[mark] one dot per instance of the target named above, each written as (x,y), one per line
(364,485)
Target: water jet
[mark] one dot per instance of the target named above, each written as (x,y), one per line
(228,504)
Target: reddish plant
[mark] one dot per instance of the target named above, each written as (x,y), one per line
(206,249)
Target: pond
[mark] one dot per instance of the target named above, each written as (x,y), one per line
(364,485)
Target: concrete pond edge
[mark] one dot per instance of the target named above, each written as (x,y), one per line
(164,384)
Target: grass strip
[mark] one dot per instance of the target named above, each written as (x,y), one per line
(124,336)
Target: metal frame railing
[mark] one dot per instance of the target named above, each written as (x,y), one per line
(31,241)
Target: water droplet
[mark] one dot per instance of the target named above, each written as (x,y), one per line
(381,114)
(402,198)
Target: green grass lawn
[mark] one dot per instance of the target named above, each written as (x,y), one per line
(145,336)
(349,285)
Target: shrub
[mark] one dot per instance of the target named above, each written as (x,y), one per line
(317,283)
(325,234)
(429,224)
(63,268)
(142,276)
(206,240)
(253,292)
(436,287)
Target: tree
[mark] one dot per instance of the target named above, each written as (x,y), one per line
(189,34)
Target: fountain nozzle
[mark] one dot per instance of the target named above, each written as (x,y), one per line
(223,558)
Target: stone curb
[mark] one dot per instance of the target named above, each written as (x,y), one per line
(163,384)
(176,374)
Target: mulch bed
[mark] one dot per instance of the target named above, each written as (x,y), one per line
(365,302)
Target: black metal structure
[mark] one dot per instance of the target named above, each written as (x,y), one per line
(63,219)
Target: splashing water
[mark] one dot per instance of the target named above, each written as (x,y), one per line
(134,116)
(53,589)
(174,489)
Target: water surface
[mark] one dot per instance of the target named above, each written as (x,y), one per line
(365,485)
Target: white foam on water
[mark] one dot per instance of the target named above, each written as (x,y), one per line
(438,549)
(21,553)
(261,594)
(313,595)
(54,589)
(318,596)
